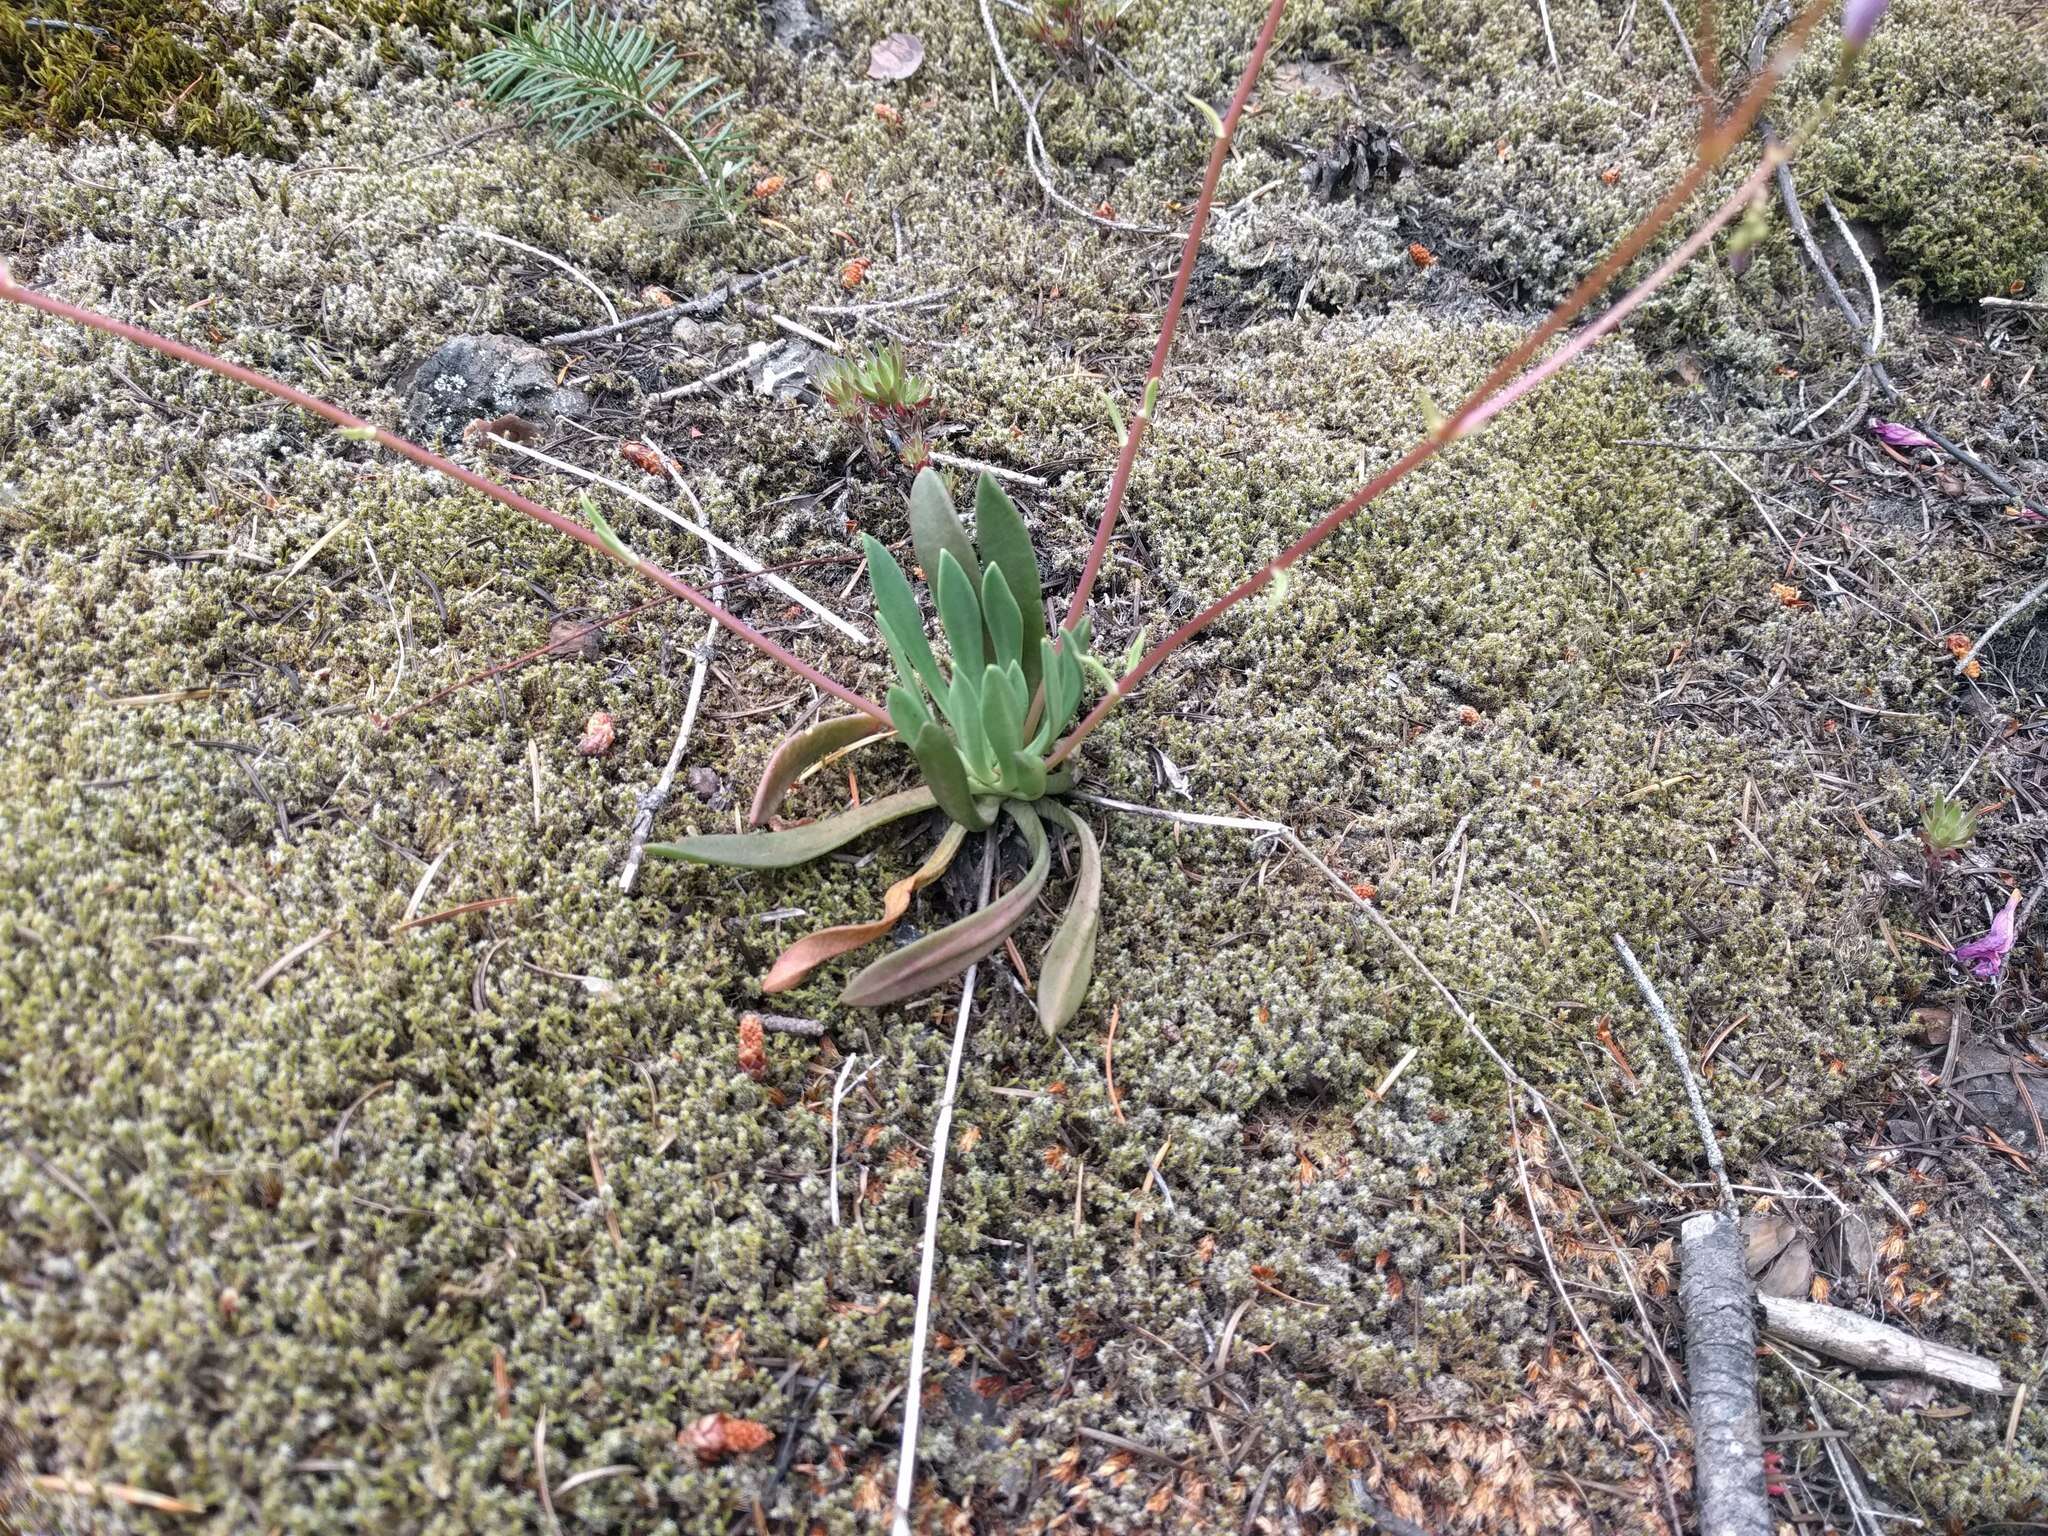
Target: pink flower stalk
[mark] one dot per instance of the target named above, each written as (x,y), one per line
(1985,955)
(1899,435)
(1860,19)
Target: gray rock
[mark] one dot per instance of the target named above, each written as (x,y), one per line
(797,25)
(474,378)
(786,370)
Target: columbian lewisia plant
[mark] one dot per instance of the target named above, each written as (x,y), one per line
(979,728)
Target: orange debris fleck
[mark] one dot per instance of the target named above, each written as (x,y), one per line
(753,1046)
(719,1435)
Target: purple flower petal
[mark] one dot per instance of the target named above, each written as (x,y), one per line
(1985,954)
(1899,435)
(1860,19)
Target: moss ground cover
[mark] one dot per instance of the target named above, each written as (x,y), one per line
(318,1246)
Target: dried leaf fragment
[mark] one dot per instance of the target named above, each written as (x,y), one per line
(599,732)
(719,1435)
(896,57)
(641,457)
(576,639)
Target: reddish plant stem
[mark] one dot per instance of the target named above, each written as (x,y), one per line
(13,291)
(1134,434)
(1707,50)
(1717,146)
(1527,384)
(1729,132)
(1586,336)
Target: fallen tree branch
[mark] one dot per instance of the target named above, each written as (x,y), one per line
(1720,1323)
(1720,1364)
(1870,1345)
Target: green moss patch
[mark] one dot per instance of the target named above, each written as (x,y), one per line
(309,1213)
(223,78)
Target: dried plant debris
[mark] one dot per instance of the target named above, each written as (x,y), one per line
(1362,158)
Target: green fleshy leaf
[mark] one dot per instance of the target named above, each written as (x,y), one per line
(931,961)
(963,709)
(1006,545)
(1000,716)
(1024,775)
(798,845)
(1069,960)
(1020,691)
(1000,618)
(1070,678)
(1052,667)
(938,759)
(936,527)
(798,751)
(907,712)
(960,616)
(613,544)
(898,617)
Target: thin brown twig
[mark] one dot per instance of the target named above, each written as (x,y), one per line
(462,911)
(1155,373)
(290,957)
(117,1493)
(12,291)
(611,1215)
(1725,136)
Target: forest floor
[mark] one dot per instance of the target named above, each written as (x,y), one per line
(370,1160)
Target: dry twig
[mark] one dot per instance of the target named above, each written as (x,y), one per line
(693,309)
(1675,1044)
(927,1264)
(1869,1345)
